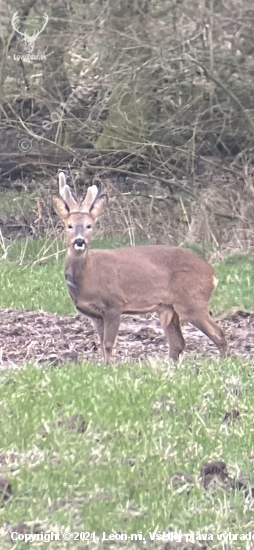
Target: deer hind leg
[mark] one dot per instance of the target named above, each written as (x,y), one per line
(111,326)
(170,323)
(205,323)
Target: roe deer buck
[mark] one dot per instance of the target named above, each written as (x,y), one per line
(173,282)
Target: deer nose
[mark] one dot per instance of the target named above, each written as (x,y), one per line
(79,244)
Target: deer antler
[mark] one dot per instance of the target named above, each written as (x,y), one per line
(65,193)
(14,22)
(44,25)
(91,194)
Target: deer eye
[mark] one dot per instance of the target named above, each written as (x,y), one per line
(89,226)
(70,226)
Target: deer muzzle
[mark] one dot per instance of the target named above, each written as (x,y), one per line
(79,244)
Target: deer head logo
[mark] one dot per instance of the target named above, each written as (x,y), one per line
(29,40)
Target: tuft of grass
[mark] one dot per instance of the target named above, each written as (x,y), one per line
(113,471)
(43,250)
(236,283)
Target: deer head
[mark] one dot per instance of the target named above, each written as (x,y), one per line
(78,215)
(29,40)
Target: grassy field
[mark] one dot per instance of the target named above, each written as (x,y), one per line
(94,449)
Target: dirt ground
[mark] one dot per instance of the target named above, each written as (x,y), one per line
(40,337)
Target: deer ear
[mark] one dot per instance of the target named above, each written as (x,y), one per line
(60,207)
(98,206)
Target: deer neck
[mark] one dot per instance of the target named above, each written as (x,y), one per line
(76,264)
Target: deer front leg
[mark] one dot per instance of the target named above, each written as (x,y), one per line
(111,326)
(99,326)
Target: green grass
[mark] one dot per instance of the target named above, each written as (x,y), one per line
(236,283)
(142,426)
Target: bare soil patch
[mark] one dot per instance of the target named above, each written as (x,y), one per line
(40,337)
